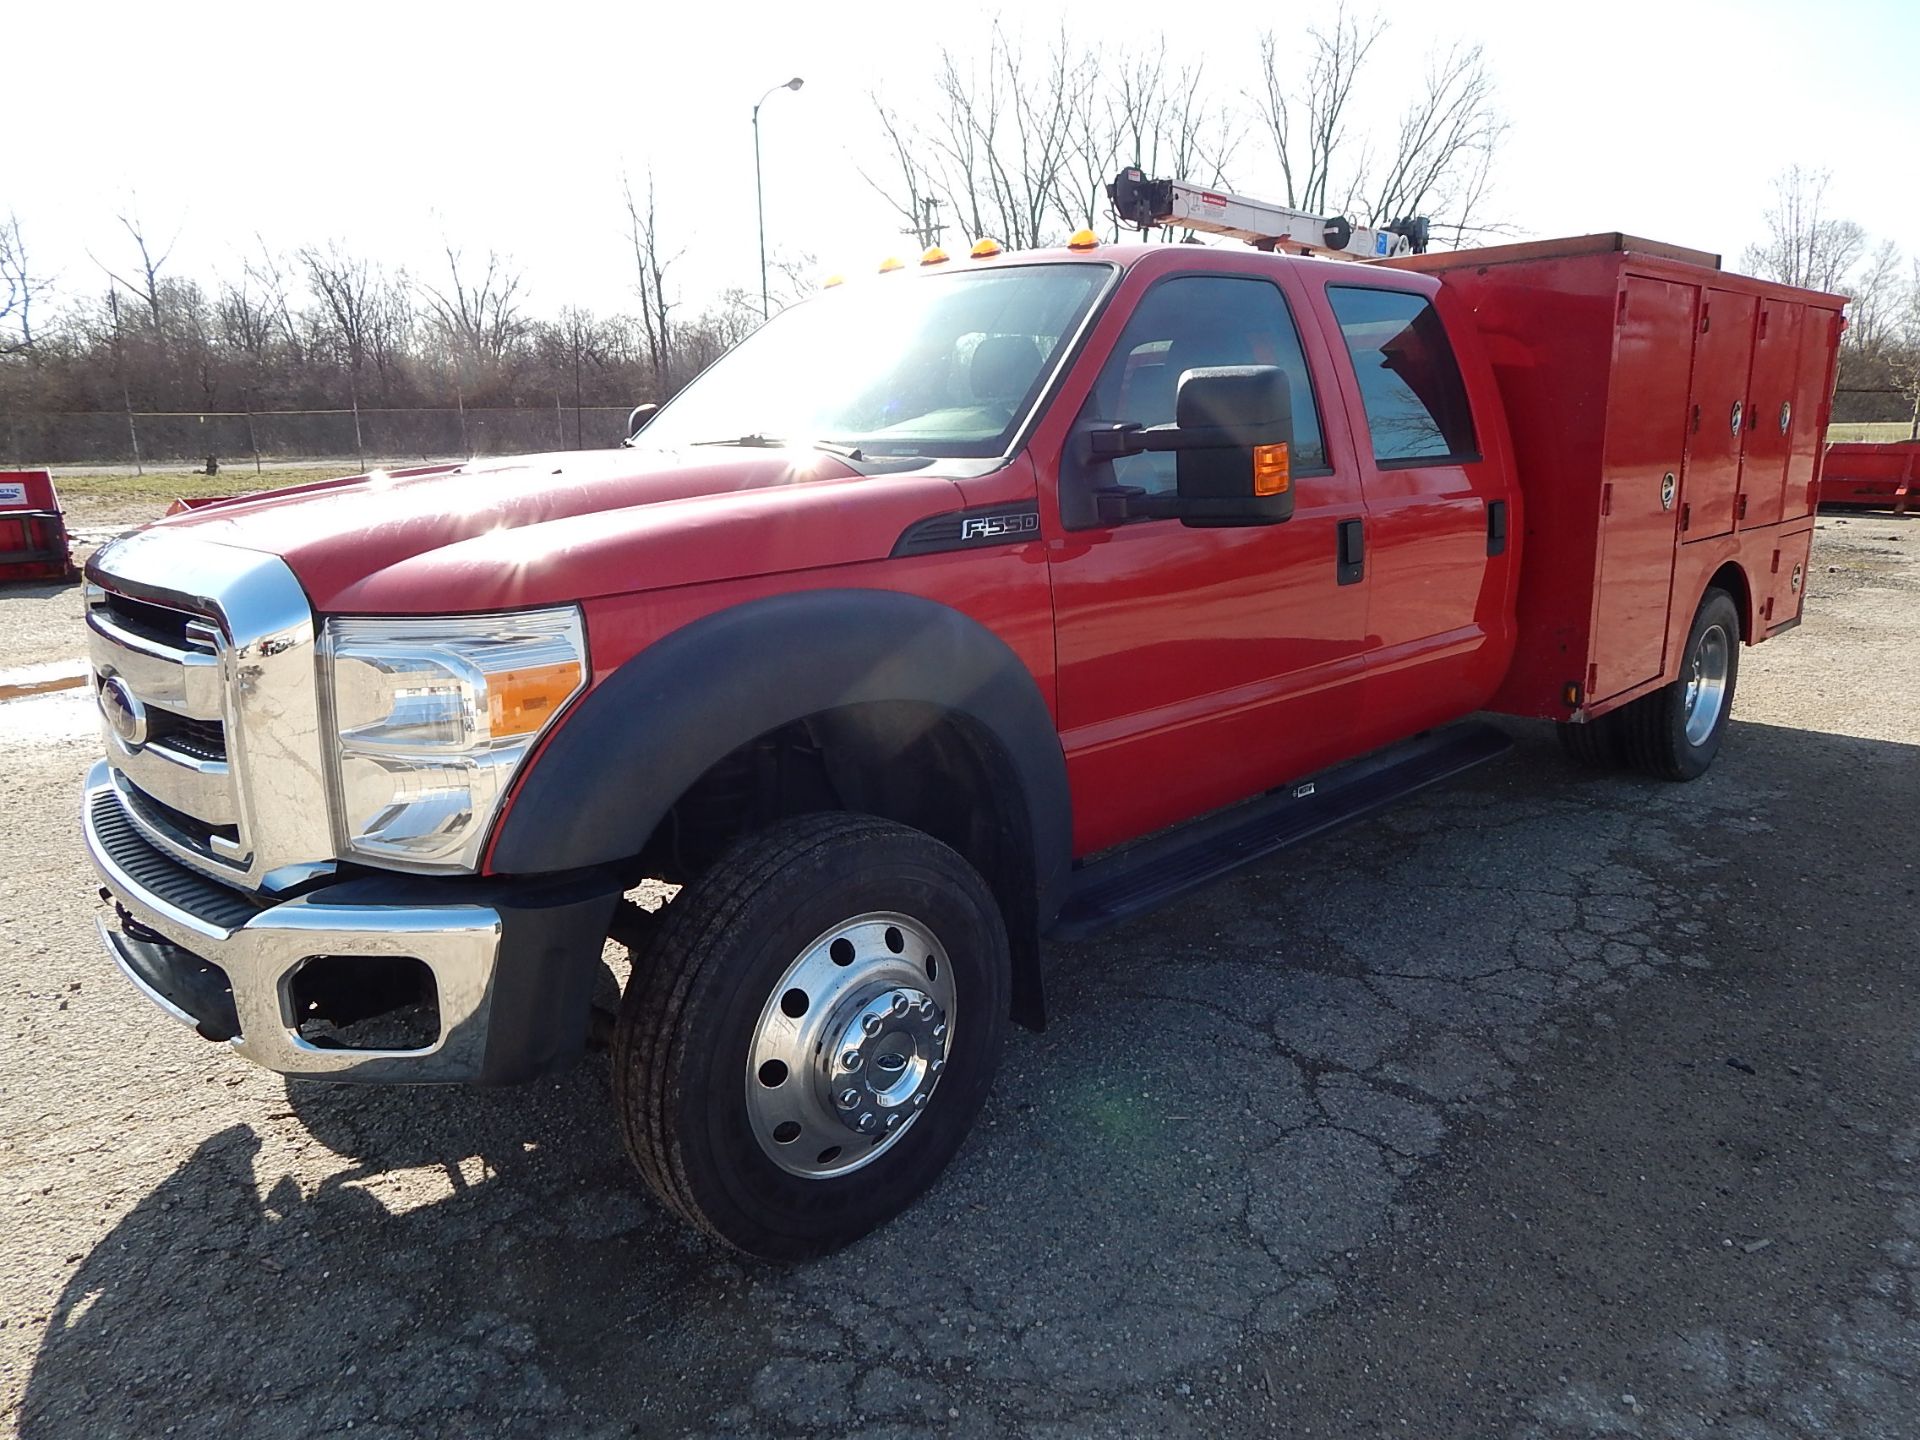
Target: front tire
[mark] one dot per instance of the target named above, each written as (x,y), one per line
(1675,732)
(811,1033)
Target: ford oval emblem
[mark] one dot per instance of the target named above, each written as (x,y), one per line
(126,716)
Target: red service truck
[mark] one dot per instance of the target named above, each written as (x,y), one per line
(982,601)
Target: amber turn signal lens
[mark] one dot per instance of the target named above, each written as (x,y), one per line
(519,702)
(1272,473)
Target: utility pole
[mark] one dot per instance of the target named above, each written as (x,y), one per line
(929,230)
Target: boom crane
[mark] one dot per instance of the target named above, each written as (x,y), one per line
(1145,203)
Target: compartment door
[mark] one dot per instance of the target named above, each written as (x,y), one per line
(1770,412)
(1813,383)
(1717,419)
(1645,452)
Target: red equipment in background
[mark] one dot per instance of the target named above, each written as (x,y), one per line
(1869,474)
(33,532)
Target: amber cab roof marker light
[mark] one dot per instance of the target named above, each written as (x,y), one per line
(985,248)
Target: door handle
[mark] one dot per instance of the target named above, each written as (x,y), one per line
(1351,559)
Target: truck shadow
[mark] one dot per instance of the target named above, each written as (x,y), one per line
(1231,1098)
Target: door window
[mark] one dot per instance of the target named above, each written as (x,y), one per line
(1410,384)
(1191,321)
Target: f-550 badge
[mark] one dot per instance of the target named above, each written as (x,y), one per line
(998,527)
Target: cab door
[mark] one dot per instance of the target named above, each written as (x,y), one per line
(1200,666)
(1438,541)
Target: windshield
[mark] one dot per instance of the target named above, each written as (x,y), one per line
(946,365)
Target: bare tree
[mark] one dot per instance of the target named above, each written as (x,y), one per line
(1444,148)
(998,144)
(1874,314)
(345,287)
(650,266)
(1805,245)
(269,272)
(911,192)
(481,312)
(1309,130)
(146,285)
(21,286)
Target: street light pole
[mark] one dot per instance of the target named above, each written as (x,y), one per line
(759,195)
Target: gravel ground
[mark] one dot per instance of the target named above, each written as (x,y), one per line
(1549,1105)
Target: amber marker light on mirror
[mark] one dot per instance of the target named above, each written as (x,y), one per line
(1272,471)
(985,248)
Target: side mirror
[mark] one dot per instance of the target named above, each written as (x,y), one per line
(1236,425)
(1231,435)
(637,419)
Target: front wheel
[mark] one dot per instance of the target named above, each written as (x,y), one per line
(1675,732)
(811,1033)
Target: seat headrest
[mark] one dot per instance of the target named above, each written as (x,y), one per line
(1003,368)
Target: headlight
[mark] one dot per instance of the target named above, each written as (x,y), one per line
(432,718)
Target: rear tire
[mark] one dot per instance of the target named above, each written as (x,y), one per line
(1675,732)
(812,1033)
(1593,743)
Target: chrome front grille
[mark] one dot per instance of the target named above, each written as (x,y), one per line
(203,659)
(173,771)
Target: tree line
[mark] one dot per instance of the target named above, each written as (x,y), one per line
(1011,138)
(328,325)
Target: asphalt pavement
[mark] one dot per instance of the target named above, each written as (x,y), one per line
(1551,1104)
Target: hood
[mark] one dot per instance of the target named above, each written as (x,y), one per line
(546,529)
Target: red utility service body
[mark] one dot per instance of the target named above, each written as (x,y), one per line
(1624,364)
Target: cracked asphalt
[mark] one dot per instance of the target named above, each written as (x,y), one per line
(1551,1104)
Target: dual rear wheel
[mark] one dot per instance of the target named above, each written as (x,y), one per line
(1674,732)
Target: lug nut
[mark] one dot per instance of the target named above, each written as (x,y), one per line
(871,1024)
(901,1005)
(850,1060)
(893,1122)
(940,1031)
(848,1099)
(936,1067)
(920,1099)
(868,1121)
(926,1009)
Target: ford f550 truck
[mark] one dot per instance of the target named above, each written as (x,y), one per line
(986,600)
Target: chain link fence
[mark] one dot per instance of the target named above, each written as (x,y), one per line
(232,437)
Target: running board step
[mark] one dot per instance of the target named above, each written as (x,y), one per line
(1146,875)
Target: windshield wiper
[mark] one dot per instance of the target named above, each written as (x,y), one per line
(769,442)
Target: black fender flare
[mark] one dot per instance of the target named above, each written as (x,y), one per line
(633,744)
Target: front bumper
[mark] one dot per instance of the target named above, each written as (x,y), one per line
(513,964)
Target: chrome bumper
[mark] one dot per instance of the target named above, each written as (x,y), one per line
(261,947)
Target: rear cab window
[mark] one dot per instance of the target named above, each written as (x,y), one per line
(1410,385)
